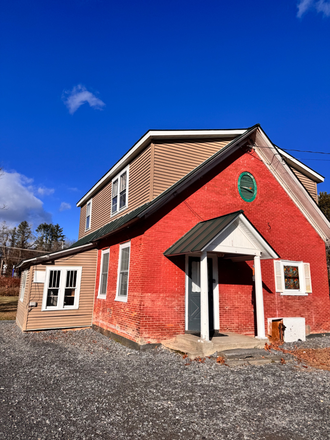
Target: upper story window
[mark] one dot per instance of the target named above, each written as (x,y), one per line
(119,194)
(88,215)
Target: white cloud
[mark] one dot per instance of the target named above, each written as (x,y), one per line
(19,201)
(78,96)
(42,191)
(323,6)
(319,5)
(64,206)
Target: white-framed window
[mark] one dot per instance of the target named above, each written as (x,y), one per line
(123,271)
(88,215)
(23,284)
(119,192)
(104,269)
(62,288)
(292,277)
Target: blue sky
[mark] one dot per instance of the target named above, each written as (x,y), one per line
(83,80)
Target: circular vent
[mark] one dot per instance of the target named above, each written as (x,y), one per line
(247,186)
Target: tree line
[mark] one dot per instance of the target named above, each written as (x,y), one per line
(47,237)
(22,242)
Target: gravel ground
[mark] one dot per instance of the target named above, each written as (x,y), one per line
(82,385)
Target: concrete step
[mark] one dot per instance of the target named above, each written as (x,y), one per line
(239,357)
(191,345)
(194,346)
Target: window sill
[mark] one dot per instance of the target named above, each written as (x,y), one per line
(121,298)
(61,309)
(118,212)
(294,294)
(101,297)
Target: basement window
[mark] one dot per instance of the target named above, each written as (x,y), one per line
(62,288)
(119,192)
(292,277)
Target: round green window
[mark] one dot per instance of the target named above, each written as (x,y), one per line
(247,186)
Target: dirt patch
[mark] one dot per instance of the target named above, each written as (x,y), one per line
(313,357)
(8,307)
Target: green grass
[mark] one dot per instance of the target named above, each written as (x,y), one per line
(8,307)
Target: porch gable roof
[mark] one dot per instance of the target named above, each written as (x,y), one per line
(200,237)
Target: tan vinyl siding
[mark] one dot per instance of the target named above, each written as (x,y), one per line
(81,317)
(139,180)
(22,306)
(82,221)
(308,183)
(138,193)
(154,170)
(174,160)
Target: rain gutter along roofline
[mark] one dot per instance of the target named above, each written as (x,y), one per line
(55,255)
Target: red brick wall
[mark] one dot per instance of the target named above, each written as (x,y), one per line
(156,299)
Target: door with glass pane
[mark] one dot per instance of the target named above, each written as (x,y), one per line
(194,295)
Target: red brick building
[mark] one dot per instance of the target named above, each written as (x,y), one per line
(199,231)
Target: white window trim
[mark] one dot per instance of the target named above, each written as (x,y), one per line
(302,278)
(99,295)
(90,216)
(123,246)
(23,285)
(60,300)
(127,185)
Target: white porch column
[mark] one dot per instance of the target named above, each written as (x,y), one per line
(204,299)
(259,299)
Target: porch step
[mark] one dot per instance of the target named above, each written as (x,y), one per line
(194,346)
(238,357)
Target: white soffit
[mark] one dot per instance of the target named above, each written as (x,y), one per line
(291,185)
(160,135)
(304,169)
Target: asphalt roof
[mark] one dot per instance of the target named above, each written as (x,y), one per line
(200,235)
(110,227)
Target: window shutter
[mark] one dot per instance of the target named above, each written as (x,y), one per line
(308,281)
(278,276)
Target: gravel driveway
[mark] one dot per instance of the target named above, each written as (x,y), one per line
(81,385)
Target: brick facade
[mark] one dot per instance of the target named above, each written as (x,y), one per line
(155,308)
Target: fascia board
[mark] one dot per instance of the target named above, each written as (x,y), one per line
(295,163)
(60,254)
(258,237)
(149,137)
(220,233)
(312,206)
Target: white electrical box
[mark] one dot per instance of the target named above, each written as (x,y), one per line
(294,328)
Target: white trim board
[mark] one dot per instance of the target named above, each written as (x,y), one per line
(292,186)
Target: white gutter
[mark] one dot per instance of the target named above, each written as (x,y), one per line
(148,137)
(301,166)
(48,256)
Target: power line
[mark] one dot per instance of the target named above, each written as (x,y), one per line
(305,151)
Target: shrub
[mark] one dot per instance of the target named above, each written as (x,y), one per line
(9,286)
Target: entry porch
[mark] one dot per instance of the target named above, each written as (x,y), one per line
(230,237)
